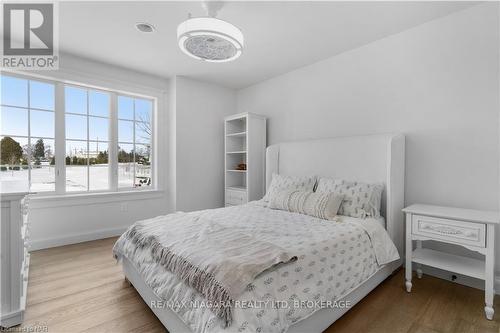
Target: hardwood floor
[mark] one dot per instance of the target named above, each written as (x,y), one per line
(80,288)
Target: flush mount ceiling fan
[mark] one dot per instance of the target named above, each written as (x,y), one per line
(209,38)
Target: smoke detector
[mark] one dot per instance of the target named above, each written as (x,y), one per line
(145,27)
(210,39)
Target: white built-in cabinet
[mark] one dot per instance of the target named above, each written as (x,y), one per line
(245,143)
(14,235)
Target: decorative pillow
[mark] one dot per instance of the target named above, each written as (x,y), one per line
(282,183)
(360,199)
(321,205)
(332,185)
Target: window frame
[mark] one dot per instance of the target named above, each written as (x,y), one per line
(134,141)
(88,140)
(28,135)
(60,138)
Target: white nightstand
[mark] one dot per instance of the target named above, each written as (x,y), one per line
(472,229)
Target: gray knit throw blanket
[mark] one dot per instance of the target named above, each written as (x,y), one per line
(216,261)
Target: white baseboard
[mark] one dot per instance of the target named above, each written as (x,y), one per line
(8,320)
(39,244)
(461,279)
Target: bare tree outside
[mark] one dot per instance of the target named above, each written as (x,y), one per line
(145,125)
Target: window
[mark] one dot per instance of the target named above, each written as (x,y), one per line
(87,115)
(27,133)
(134,142)
(85,124)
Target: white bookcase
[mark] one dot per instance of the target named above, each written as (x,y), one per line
(245,143)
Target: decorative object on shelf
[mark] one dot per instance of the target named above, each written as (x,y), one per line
(208,38)
(245,153)
(241,166)
(471,229)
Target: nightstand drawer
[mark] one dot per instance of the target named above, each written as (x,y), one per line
(235,197)
(447,230)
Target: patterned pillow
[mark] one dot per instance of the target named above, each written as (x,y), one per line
(321,205)
(360,199)
(332,185)
(281,183)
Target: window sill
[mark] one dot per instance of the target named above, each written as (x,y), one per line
(39,201)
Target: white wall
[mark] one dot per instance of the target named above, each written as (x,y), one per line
(200,109)
(172,146)
(437,83)
(57,221)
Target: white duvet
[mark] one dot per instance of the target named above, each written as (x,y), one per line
(333,259)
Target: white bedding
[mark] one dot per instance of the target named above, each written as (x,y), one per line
(380,220)
(333,259)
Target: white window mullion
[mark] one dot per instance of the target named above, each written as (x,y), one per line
(30,148)
(154,140)
(60,139)
(133,149)
(88,143)
(113,143)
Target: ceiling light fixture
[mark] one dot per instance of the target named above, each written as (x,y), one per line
(144,27)
(208,38)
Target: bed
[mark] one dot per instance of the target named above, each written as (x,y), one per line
(320,273)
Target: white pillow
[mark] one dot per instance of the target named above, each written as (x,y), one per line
(332,185)
(322,205)
(280,183)
(360,199)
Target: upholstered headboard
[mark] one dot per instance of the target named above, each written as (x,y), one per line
(367,158)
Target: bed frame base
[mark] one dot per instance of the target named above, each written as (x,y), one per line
(317,322)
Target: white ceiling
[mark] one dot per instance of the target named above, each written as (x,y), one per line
(279,36)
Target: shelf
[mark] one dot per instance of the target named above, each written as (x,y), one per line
(242,171)
(239,134)
(450,262)
(237,188)
(237,152)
